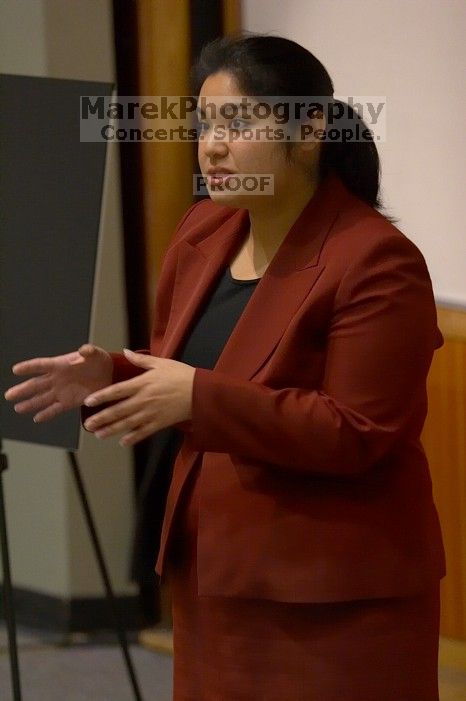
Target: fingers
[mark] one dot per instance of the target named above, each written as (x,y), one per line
(84,352)
(115,392)
(50,413)
(87,350)
(129,423)
(139,431)
(36,366)
(39,402)
(140,359)
(125,414)
(27,389)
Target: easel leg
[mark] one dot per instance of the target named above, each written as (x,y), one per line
(8,605)
(105,577)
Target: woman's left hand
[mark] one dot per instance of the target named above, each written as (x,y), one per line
(157,398)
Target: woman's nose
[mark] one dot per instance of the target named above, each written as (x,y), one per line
(213,145)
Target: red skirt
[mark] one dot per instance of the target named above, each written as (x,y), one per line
(232,649)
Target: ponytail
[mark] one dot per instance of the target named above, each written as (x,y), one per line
(355,162)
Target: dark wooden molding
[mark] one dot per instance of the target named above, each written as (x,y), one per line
(38,610)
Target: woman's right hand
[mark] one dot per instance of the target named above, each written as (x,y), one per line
(61,382)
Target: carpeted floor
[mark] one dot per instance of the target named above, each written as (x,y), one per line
(82,670)
(87,668)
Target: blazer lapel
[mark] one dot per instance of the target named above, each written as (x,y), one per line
(198,269)
(288,280)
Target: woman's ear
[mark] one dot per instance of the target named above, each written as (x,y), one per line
(312,131)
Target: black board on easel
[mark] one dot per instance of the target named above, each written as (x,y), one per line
(50,204)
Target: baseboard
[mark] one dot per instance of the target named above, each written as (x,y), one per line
(37,610)
(157,639)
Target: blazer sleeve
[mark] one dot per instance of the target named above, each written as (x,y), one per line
(380,343)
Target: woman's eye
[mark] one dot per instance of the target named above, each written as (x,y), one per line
(239,123)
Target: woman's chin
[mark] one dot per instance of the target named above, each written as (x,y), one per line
(229,199)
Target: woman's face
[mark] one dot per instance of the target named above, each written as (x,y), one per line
(225,143)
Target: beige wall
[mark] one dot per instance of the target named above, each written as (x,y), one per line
(412,51)
(50,548)
(57,39)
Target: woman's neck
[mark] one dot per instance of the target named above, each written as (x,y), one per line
(270,222)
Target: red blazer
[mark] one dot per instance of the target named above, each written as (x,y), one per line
(314,484)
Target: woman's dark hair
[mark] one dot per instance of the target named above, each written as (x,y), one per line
(270,65)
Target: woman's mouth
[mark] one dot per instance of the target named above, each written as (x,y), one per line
(218,178)
(218,175)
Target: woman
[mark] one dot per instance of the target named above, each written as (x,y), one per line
(292,339)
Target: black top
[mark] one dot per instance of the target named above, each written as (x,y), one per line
(213,328)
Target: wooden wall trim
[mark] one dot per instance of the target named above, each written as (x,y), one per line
(164,57)
(452,322)
(231,16)
(444,440)
(164,63)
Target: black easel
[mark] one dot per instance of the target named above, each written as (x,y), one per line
(7,587)
(119,629)
(8,605)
